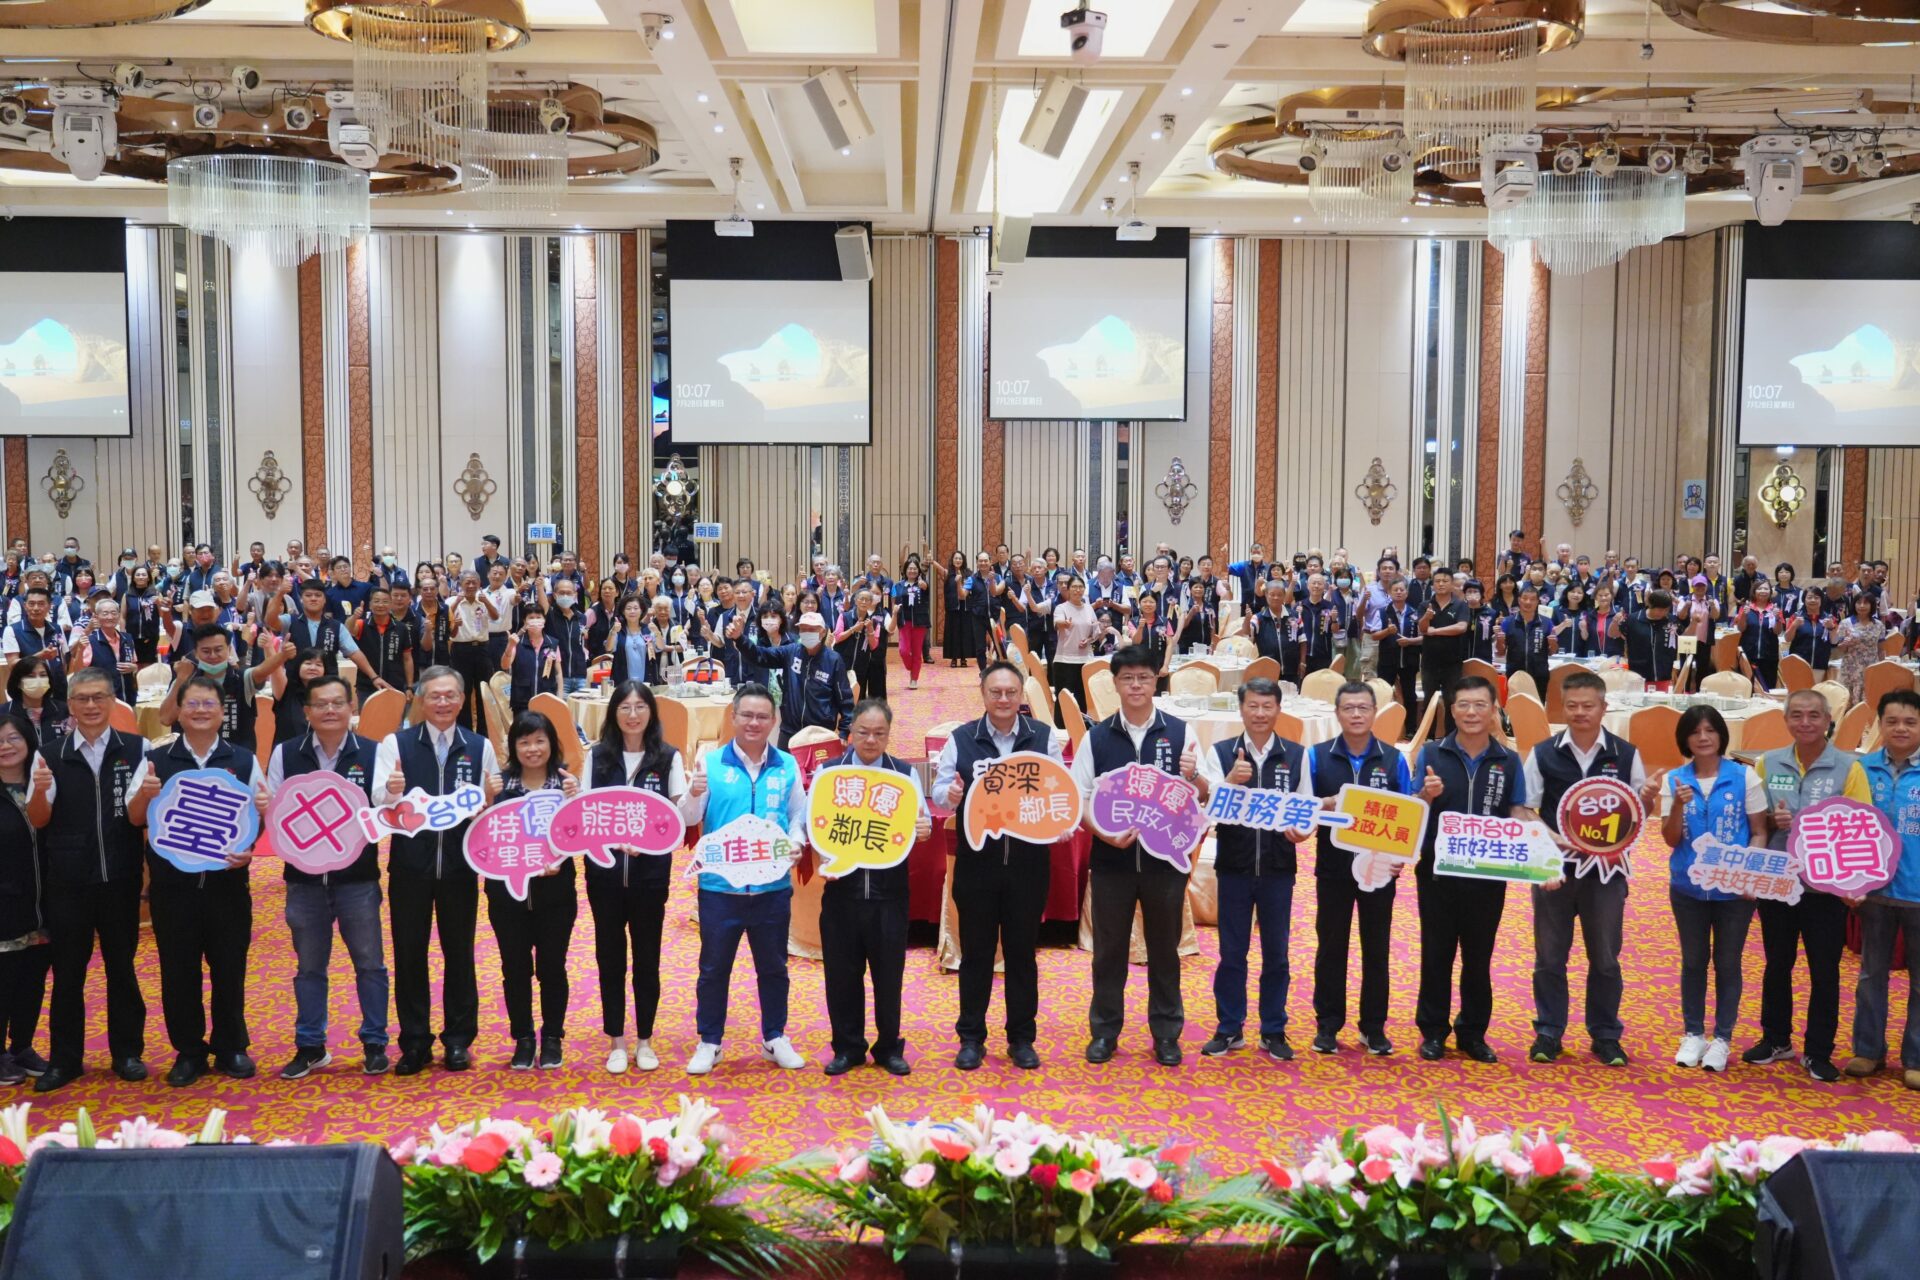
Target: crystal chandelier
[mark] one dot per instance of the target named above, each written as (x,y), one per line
(286,207)
(1361,182)
(1468,79)
(1580,221)
(514,164)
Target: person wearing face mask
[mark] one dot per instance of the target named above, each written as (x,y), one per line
(567,629)
(200,573)
(532,661)
(387,571)
(813,680)
(30,696)
(26,956)
(209,656)
(34,635)
(129,561)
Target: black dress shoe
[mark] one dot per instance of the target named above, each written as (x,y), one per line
(56,1077)
(238,1066)
(523,1053)
(1023,1057)
(841,1063)
(895,1064)
(1166,1052)
(972,1054)
(1479,1050)
(186,1069)
(1433,1050)
(412,1062)
(1100,1049)
(132,1070)
(458,1058)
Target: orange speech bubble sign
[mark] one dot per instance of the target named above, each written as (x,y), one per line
(1027,795)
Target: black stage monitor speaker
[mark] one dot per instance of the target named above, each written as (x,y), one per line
(246,1212)
(1840,1215)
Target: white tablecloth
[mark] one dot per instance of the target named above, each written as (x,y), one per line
(1233,671)
(1736,717)
(1317,721)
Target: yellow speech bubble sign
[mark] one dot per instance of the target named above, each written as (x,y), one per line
(861,819)
(1384,822)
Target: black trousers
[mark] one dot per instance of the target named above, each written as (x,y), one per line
(476,668)
(1457,917)
(1161,898)
(1000,904)
(1340,896)
(1437,681)
(980,638)
(415,905)
(23,991)
(75,914)
(637,914)
(204,927)
(532,937)
(1405,680)
(1817,923)
(862,936)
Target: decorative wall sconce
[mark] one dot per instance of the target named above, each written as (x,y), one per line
(1376,491)
(474,486)
(675,489)
(62,484)
(1577,492)
(1176,492)
(269,484)
(1782,493)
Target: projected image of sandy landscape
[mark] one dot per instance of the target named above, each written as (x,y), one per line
(1113,364)
(1827,356)
(1866,372)
(796,370)
(63,353)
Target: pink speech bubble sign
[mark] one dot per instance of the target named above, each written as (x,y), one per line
(601,822)
(500,847)
(314,823)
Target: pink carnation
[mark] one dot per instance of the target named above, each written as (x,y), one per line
(543,1170)
(1884,1140)
(1383,1140)
(918,1177)
(854,1170)
(1082,1181)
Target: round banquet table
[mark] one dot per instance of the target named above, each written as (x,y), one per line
(1736,717)
(1233,671)
(1317,721)
(705,716)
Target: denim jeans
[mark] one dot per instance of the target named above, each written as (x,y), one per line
(1717,930)
(1880,922)
(1243,897)
(573,684)
(763,918)
(312,910)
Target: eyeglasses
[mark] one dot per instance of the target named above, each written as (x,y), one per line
(88,699)
(329,705)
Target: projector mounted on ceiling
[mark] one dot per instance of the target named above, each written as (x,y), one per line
(737,225)
(1134,229)
(85,131)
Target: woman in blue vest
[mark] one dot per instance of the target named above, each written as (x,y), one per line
(1895,781)
(532,936)
(30,695)
(1760,624)
(532,663)
(1575,629)
(1810,632)
(25,956)
(1710,795)
(629,898)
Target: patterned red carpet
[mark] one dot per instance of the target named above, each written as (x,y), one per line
(1233,1107)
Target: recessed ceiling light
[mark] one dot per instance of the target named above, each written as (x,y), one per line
(1298,218)
(1156,135)
(846,151)
(666,32)
(1123,177)
(1186,91)
(1406,219)
(718,127)
(759,206)
(700,97)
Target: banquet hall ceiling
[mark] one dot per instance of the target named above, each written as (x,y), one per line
(940,81)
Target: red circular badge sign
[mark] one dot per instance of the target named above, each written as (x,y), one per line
(1601,818)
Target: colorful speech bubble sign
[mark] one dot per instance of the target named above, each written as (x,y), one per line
(503,845)
(1745,871)
(1844,847)
(314,823)
(603,823)
(1027,795)
(1479,847)
(1384,822)
(1600,817)
(1268,810)
(1162,811)
(860,818)
(201,816)
(748,851)
(417,812)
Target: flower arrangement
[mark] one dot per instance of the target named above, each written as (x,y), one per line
(591,1175)
(990,1179)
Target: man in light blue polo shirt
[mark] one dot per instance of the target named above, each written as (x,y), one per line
(1894,773)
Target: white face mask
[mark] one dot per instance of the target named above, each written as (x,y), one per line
(35,686)
(565,602)
(809,640)
(679,580)
(770,626)
(387,561)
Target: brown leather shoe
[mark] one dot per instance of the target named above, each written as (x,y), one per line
(1861,1068)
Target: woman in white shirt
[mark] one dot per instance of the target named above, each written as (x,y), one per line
(1076,628)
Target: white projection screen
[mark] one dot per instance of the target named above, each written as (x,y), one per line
(63,328)
(1831,362)
(770,361)
(1090,338)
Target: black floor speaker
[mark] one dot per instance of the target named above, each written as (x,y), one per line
(263,1213)
(1840,1215)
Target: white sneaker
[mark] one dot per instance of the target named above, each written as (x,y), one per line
(1692,1049)
(643,1056)
(617,1060)
(1716,1056)
(703,1059)
(781,1053)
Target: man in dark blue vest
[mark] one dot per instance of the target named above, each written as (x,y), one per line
(1597,901)
(813,679)
(202,920)
(1465,772)
(1255,870)
(429,883)
(349,897)
(1125,875)
(35,634)
(863,921)
(1000,889)
(210,654)
(314,627)
(93,858)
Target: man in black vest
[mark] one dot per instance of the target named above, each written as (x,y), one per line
(79,801)
(1465,772)
(35,634)
(386,638)
(1125,875)
(429,883)
(999,890)
(315,628)
(349,897)
(863,922)
(211,656)
(1597,901)
(1255,870)
(1355,756)
(1651,638)
(202,920)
